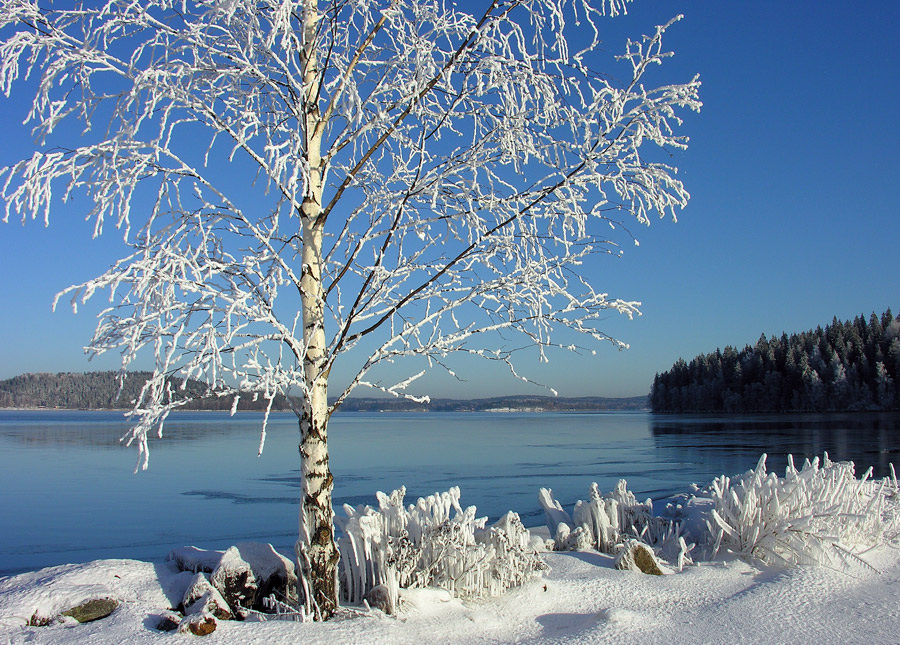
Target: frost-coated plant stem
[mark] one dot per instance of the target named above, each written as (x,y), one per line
(434,543)
(819,514)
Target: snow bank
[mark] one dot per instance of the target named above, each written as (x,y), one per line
(581,600)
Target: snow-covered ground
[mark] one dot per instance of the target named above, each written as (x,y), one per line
(583,599)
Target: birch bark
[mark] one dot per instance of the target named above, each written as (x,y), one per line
(317,553)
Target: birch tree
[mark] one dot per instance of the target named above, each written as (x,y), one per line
(298,181)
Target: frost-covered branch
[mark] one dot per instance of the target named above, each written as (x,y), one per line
(303,181)
(503,151)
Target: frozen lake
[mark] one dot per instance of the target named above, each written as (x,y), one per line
(69,495)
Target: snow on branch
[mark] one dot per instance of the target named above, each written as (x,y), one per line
(455,174)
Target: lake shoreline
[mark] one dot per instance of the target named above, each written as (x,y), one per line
(62,469)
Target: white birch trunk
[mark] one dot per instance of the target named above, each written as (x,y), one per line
(317,553)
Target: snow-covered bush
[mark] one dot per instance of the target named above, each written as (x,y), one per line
(605,522)
(434,543)
(820,514)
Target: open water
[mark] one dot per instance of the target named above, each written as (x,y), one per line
(68,492)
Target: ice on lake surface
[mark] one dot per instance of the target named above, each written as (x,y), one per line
(69,494)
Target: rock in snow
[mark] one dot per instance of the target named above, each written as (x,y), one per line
(243,576)
(197,624)
(93,609)
(193,559)
(274,573)
(202,597)
(637,556)
(379,597)
(168,621)
(234,579)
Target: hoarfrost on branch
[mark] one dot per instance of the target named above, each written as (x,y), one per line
(299,181)
(466,161)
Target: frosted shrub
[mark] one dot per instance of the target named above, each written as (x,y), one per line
(605,522)
(820,514)
(434,543)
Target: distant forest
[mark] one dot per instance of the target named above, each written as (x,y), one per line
(100,391)
(845,367)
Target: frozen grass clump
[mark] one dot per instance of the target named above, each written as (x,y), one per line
(434,543)
(607,522)
(821,514)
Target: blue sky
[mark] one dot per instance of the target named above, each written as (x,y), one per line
(793,167)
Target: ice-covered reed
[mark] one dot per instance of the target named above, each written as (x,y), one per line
(819,514)
(433,543)
(605,522)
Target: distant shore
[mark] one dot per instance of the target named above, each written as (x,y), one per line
(105,391)
(495,405)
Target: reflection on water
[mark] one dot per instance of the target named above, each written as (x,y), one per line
(69,494)
(729,445)
(104,429)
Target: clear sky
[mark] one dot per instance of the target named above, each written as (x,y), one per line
(793,167)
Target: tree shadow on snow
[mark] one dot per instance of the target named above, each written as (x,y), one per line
(556,625)
(592,557)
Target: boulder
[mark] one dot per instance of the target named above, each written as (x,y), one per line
(190,558)
(93,609)
(243,577)
(197,624)
(168,621)
(274,573)
(202,597)
(379,597)
(234,579)
(637,556)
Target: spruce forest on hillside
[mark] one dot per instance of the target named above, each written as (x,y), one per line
(846,366)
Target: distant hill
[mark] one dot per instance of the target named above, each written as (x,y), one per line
(521,403)
(100,391)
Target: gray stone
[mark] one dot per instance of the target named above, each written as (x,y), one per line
(379,597)
(93,609)
(637,556)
